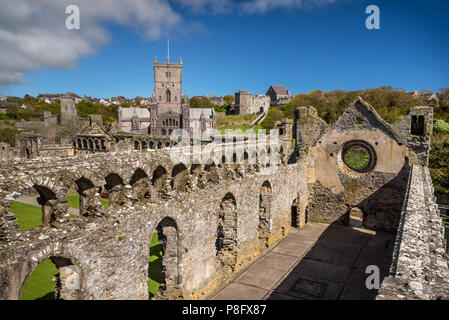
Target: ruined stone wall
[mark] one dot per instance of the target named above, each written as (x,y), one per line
(105,253)
(8,153)
(420,267)
(416,133)
(336,188)
(56,151)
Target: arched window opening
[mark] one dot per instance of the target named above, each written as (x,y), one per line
(226,242)
(159,177)
(168,95)
(180,177)
(40,284)
(163,271)
(265,213)
(114,187)
(34,208)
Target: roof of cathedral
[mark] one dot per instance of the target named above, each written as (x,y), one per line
(128,113)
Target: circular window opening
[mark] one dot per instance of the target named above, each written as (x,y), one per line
(359,156)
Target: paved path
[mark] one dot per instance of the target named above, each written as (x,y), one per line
(32,200)
(318,262)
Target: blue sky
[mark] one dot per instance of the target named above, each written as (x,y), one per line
(304,47)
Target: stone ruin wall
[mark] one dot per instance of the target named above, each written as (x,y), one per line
(105,253)
(420,267)
(335,189)
(212,220)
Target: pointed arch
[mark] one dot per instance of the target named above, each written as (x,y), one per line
(168,95)
(159,177)
(180,177)
(67,279)
(265,212)
(168,236)
(226,242)
(114,186)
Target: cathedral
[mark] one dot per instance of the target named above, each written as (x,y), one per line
(169,110)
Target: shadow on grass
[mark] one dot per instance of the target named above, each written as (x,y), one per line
(48,296)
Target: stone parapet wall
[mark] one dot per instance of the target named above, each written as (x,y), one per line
(420,266)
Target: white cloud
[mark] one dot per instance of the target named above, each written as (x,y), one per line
(262,6)
(209,6)
(33,33)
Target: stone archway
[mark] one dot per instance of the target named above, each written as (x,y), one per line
(168,236)
(67,281)
(160,181)
(265,213)
(299,214)
(48,200)
(140,182)
(89,197)
(226,243)
(114,185)
(295,214)
(355,216)
(180,177)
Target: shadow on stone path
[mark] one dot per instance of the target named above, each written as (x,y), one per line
(318,262)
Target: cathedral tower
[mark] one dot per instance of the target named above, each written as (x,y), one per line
(168,86)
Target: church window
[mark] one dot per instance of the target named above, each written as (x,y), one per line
(359,156)
(168,95)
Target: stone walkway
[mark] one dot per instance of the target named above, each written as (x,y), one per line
(32,200)
(318,262)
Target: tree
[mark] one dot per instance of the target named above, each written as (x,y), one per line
(8,135)
(274,114)
(201,102)
(228,99)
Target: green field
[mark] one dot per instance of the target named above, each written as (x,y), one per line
(40,286)
(155,266)
(74,201)
(243,128)
(235,121)
(28,216)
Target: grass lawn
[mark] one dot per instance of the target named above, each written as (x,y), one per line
(155,266)
(28,216)
(243,128)
(40,286)
(235,121)
(74,201)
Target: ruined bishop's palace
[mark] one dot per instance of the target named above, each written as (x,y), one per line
(216,220)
